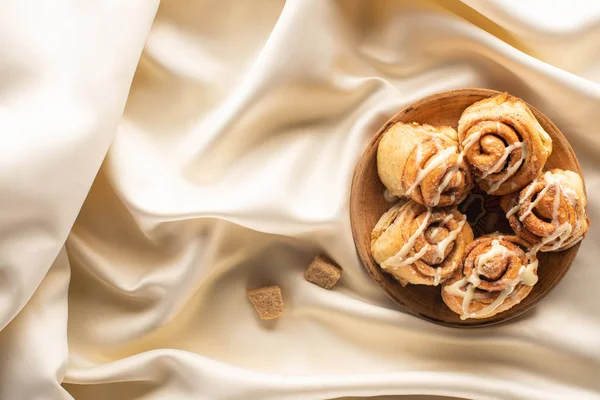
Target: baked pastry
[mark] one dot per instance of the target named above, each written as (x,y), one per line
(497,273)
(503,142)
(425,239)
(420,245)
(550,212)
(422,162)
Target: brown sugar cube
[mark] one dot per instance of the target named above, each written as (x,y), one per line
(323,272)
(267,301)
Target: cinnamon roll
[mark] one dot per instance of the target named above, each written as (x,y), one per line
(503,142)
(420,245)
(422,162)
(550,212)
(497,273)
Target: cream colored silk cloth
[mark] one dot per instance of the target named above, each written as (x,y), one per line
(156,160)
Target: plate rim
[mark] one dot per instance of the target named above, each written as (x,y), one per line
(363,160)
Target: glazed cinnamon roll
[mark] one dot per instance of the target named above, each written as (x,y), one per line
(550,212)
(422,162)
(503,142)
(497,273)
(420,245)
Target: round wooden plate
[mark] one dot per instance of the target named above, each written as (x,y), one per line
(367,204)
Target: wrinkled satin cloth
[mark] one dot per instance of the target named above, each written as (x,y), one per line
(158,160)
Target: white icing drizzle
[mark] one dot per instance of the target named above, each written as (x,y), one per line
(447,219)
(403,262)
(474,137)
(444,154)
(534,203)
(466,144)
(437,277)
(449,175)
(467,300)
(474,280)
(527,276)
(531,187)
(510,171)
(489,308)
(438,145)
(528,193)
(497,250)
(456,288)
(442,224)
(502,160)
(399,259)
(470,141)
(570,194)
(561,231)
(441,246)
(436,161)
(512,211)
(381,224)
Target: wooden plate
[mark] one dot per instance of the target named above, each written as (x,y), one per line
(367,204)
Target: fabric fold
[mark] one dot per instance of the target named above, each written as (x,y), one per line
(226,165)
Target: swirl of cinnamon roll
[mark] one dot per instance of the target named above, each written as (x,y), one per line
(423,162)
(550,212)
(420,245)
(503,142)
(497,273)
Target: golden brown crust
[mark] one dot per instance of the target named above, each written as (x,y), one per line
(405,149)
(497,274)
(497,123)
(395,229)
(534,219)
